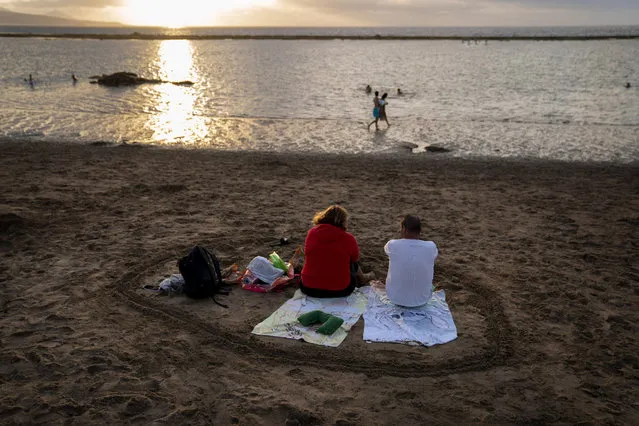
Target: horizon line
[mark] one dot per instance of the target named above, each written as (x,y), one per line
(123,25)
(140,36)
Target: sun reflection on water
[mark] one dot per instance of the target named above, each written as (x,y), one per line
(176,119)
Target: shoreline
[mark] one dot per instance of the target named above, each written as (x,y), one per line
(140,36)
(537,260)
(402,152)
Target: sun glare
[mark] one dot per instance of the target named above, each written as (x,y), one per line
(178,119)
(183,13)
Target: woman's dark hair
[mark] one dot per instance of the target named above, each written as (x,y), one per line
(334,215)
(376,93)
(384,95)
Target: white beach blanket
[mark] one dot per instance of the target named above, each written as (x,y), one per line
(283,322)
(430,324)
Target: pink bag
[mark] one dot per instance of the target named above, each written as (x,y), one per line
(251,283)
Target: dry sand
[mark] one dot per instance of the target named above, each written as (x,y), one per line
(539,262)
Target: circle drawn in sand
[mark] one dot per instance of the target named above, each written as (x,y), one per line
(354,355)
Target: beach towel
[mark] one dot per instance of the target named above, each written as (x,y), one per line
(284,323)
(430,324)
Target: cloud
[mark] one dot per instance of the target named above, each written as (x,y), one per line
(381,12)
(576,4)
(425,6)
(472,12)
(97,10)
(64,4)
(364,7)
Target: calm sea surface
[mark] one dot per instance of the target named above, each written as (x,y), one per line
(593,31)
(560,100)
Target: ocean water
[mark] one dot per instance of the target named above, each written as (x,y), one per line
(562,100)
(590,31)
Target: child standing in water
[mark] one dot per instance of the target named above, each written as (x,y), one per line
(375,111)
(382,109)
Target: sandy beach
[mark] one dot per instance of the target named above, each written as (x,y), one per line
(538,260)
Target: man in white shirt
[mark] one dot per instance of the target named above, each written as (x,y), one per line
(411,265)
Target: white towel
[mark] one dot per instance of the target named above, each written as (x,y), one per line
(430,324)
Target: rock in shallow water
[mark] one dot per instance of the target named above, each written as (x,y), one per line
(427,148)
(120,79)
(434,148)
(124,78)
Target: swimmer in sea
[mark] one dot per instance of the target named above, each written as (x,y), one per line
(368,88)
(399,92)
(628,86)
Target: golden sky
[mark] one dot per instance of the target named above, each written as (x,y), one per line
(184,13)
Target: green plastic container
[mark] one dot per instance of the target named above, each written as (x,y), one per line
(277,261)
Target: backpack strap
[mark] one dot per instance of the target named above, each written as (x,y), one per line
(216,264)
(218,270)
(213,259)
(225,290)
(218,303)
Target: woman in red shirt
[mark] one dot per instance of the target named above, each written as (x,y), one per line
(331,255)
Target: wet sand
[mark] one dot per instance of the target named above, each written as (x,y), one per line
(538,260)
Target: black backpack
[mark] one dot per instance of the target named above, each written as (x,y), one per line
(202,276)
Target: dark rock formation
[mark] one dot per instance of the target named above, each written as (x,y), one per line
(416,149)
(434,148)
(123,79)
(130,79)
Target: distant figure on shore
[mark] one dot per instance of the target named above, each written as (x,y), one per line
(628,86)
(368,88)
(74,78)
(375,112)
(382,109)
(399,92)
(30,81)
